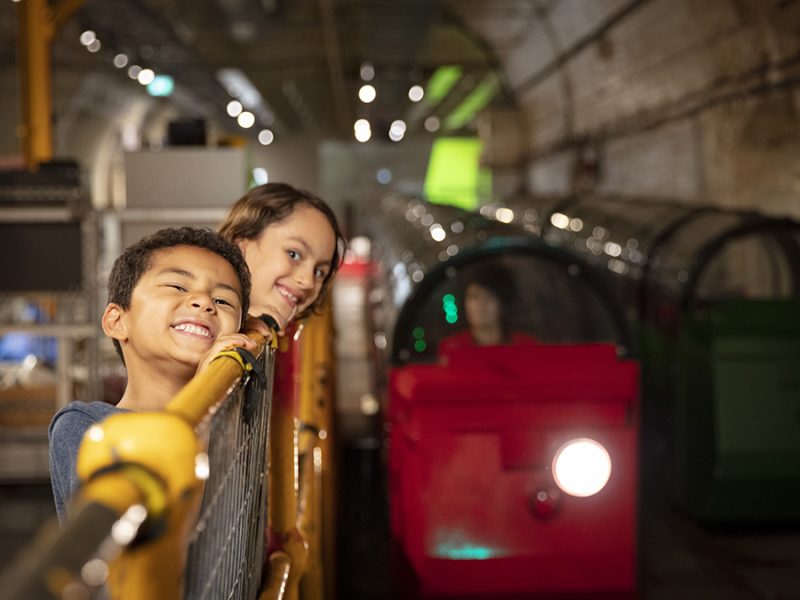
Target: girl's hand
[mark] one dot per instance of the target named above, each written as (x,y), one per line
(223,342)
(257,325)
(281,319)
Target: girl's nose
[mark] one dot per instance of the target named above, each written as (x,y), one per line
(304,276)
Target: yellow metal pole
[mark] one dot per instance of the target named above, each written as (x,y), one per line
(283,473)
(316,411)
(38,24)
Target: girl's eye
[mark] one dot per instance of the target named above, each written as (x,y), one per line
(293,254)
(320,273)
(177,287)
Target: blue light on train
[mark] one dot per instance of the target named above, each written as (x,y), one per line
(453,544)
(162,85)
(465,552)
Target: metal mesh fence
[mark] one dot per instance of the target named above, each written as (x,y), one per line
(226,551)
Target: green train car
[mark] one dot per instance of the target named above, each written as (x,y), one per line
(714,298)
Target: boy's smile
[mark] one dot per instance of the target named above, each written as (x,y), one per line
(186,299)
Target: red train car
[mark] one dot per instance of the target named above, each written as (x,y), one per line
(513,467)
(514,471)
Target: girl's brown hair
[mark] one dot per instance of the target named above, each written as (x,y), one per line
(269,204)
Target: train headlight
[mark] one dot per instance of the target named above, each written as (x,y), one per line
(581,467)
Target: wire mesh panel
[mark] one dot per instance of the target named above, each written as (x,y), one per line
(226,547)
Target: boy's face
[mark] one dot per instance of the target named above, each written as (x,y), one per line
(186,299)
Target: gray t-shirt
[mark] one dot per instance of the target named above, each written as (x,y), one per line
(65,434)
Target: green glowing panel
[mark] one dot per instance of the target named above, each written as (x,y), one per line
(477,100)
(418,333)
(420,345)
(453,175)
(441,82)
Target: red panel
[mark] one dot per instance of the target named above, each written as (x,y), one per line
(472,441)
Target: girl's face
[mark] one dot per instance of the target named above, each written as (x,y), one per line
(481,306)
(288,263)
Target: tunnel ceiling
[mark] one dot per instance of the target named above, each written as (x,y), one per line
(303,56)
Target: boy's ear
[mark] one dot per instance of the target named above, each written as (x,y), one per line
(113,322)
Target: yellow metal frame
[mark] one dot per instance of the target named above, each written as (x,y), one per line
(302,510)
(151,459)
(39,22)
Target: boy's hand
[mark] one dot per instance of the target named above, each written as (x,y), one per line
(223,342)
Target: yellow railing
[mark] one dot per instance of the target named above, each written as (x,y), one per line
(301,507)
(144,469)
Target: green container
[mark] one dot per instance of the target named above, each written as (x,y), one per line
(737,412)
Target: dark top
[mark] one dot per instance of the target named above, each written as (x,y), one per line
(65,434)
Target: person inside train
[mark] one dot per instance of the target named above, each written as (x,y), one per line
(175,300)
(293,246)
(488,299)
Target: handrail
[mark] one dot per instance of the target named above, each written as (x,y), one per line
(155,470)
(300,465)
(161,487)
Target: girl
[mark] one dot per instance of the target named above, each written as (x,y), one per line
(489,298)
(293,246)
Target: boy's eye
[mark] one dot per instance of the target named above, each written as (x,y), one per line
(180,288)
(223,301)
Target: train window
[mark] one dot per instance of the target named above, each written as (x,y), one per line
(750,266)
(535,299)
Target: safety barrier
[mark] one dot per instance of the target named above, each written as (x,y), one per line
(148,479)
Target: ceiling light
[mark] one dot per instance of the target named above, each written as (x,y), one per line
(133,71)
(362,130)
(266,137)
(240,87)
(260,175)
(367,71)
(367,94)
(146,76)
(120,60)
(416,93)
(431,124)
(398,126)
(234,108)
(87,37)
(94,46)
(246,119)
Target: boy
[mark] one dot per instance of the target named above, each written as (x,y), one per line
(176,299)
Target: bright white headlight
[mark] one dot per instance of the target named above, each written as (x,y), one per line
(581,467)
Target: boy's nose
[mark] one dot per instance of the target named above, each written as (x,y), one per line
(203,302)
